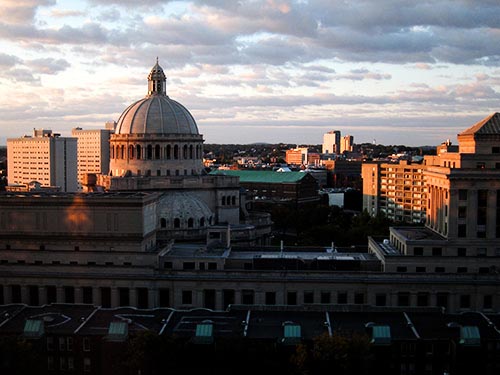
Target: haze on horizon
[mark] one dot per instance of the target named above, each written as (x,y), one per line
(399,72)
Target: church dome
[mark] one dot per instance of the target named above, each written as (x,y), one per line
(182,210)
(156,113)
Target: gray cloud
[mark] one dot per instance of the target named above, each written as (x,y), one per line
(48,65)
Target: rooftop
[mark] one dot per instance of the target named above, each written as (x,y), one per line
(263,176)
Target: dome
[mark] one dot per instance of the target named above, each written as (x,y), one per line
(156,113)
(182,210)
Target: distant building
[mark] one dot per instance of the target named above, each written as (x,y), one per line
(297,156)
(44,157)
(331,142)
(93,151)
(344,173)
(346,143)
(396,190)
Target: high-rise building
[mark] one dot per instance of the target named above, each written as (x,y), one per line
(462,232)
(396,190)
(93,151)
(346,143)
(44,157)
(331,142)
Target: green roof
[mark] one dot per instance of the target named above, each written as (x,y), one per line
(470,336)
(33,328)
(292,334)
(204,333)
(263,176)
(381,335)
(117,331)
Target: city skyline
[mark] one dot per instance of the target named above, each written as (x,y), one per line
(275,71)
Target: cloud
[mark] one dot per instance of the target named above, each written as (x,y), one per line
(21,11)
(48,65)
(63,13)
(7,61)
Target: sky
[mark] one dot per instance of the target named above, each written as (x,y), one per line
(389,71)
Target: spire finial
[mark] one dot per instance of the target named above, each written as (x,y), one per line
(157,59)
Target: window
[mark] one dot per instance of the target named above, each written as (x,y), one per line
(359,298)
(50,363)
(62,344)
(325,297)
(247,296)
(212,266)
(437,251)
(69,344)
(403,299)
(188,265)
(480,165)
(86,365)
(163,223)
(484,270)
(462,195)
(291,298)
(380,300)
(401,269)
(442,300)
(418,251)
(50,343)
(465,301)
(488,301)
(71,363)
(270,298)
(481,252)
(462,230)
(177,223)
(420,269)
(462,251)
(461,269)
(423,299)
(462,212)
(86,344)
(167,265)
(187,297)
(164,295)
(308,297)
(342,298)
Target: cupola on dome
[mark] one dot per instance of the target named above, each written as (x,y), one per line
(156,113)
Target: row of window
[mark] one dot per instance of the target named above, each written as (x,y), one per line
(67,364)
(189,223)
(66,262)
(155,153)
(481,270)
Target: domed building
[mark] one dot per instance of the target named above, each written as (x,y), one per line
(157,147)
(156,136)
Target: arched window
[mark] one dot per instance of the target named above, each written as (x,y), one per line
(198,151)
(112,152)
(191,152)
(233,200)
(122,152)
(138,151)
(157,152)
(177,222)
(130,152)
(168,152)
(149,152)
(224,201)
(185,152)
(176,152)
(163,222)
(190,222)
(202,222)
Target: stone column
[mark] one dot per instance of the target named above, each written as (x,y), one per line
(7,294)
(114,296)
(60,294)
(24,294)
(78,294)
(133,296)
(218,300)
(152,298)
(95,296)
(42,295)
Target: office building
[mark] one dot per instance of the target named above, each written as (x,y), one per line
(331,142)
(346,143)
(397,191)
(93,151)
(44,157)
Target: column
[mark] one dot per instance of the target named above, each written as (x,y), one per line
(7,294)
(42,295)
(133,296)
(24,294)
(152,298)
(114,296)
(78,294)
(413,299)
(60,294)
(218,300)
(95,296)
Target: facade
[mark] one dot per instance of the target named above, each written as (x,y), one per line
(93,151)
(346,143)
(398,191)
(344,173)
(331,142)
(83,339)
(46,158)
(297,156)
(461,235)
